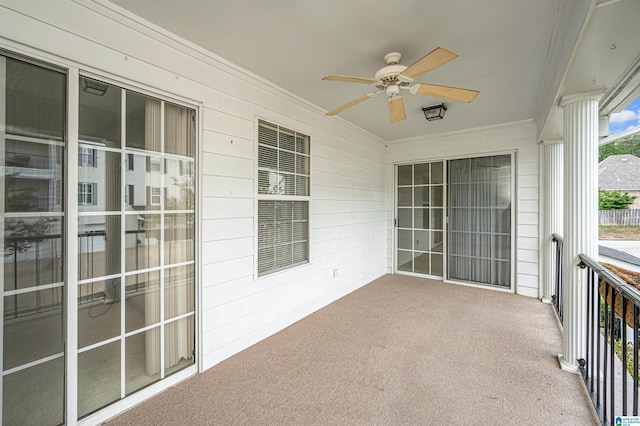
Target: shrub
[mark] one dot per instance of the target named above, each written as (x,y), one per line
(614,200)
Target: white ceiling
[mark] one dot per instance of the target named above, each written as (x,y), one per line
(503,47)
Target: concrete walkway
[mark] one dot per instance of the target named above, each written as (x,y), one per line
(400,351)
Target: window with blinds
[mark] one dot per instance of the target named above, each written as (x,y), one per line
(283,198)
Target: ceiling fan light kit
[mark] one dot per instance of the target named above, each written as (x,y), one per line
(393,77)
(434,112)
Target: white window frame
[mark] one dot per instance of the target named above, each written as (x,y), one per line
(281,197)
(155,196)
(86,156)
(87,192)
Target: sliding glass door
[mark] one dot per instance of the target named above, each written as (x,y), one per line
(136,242)
(32,145)
(480,216)
(134,315)
(477,197)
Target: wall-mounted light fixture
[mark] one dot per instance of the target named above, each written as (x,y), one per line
(435,112)
(94,87)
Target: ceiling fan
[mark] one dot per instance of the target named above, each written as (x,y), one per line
(394,77)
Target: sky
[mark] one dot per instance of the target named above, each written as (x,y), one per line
(625,119)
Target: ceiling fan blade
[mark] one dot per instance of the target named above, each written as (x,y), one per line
(350,79)
(349,104)
(431,60)
(396,108)
(446,92)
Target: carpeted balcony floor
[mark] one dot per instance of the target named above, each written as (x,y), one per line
(399,351)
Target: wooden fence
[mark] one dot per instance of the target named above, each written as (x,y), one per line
(619,217)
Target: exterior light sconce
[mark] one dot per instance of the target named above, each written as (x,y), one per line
(435,112)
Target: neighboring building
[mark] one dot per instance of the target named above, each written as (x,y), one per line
(621,172)
(165,208)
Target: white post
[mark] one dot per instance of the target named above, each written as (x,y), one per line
(553,208)
(580,225)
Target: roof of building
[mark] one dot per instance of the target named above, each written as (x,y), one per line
(619,172)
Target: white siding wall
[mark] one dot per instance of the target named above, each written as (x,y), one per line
(349,207)
(519,137)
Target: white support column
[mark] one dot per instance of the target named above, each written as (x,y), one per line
(580,224)
(553,208)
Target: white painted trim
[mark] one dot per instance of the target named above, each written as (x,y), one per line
(595,95)
(480,285)
(620,135)
(476,132)
(32,363)
(31,289)
(260,197)
(565,366)
(71,229)
(199,302)
(123,243)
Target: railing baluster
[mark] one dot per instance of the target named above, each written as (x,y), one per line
(605,312)
(592,303)
(606,352)
(635,360)
(557,297)
(612,355)
(624,356)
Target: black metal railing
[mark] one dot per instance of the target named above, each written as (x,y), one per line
(32,261)
(610,369)
(557,274)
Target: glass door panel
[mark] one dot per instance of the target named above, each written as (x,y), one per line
(136,242)
(32,140)
(419,230)
(479,233)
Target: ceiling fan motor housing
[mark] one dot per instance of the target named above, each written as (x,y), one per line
(389,74)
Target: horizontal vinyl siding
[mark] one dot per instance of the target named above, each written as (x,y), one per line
(528,277)
(349,200)
(518,137)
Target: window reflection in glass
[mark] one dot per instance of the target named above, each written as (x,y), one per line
(179,344)
(179,178)
(98,311)
(98,377)
(179,238)
(143,122)
(35,395)
(142,306)
(36,101)
(98,246)
(33,252)
(32,326)
(145,181)
(142,241)
(99,114)
(99,186)
(179,291)
(179,130)
(33,176)
(142,360)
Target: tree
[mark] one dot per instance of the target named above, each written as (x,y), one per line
(630,145)
(614,200)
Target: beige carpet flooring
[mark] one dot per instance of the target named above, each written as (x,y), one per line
(399,351)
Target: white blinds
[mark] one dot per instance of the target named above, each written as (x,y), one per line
(283,191)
